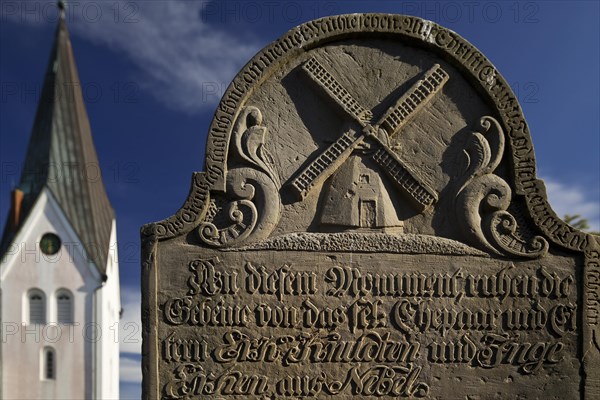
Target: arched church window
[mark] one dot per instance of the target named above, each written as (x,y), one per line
(37,306)
(48,363)
(64,307)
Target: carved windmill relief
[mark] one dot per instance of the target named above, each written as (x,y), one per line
(372,207)
(419,198)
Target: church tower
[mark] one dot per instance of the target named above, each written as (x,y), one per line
(59,274)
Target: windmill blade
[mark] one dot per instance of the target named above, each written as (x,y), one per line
(413,100)
(336,92)
(326,163)
(423,196)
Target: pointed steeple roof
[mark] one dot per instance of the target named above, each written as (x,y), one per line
(61,155)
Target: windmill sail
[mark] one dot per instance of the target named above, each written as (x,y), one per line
(324,165)
(329,161)
(403,177)
(413,100)
(336,92)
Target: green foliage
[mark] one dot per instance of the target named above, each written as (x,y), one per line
(578,222)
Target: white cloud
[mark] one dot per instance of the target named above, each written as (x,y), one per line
(130,325)
(182,60)
(566,198)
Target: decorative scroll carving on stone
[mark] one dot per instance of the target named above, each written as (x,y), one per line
(251,204)
(484,199)
(250,137)
(240,222)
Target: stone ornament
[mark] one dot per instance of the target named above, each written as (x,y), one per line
(369,225)
(244,219)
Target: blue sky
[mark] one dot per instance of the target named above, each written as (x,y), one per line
(152,73)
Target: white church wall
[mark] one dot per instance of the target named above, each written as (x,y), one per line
(26,267)
(109,308)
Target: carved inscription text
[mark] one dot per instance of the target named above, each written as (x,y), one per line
(381,328)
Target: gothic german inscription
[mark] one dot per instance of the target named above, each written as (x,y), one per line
(369,225)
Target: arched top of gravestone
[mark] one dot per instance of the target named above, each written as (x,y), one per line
(370,132)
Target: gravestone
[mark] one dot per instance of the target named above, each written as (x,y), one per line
(369,225)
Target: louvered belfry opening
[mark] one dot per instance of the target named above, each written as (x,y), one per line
(64,308)
(37,307)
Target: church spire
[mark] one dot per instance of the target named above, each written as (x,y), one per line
(61,155)
(61,8)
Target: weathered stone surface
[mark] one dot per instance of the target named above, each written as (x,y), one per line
(369,225)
